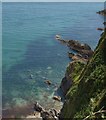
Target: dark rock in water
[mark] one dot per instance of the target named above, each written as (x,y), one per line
(104,23)
(38,107)
(65,85)
(101,29)
(102,12)
(31,76)
(48,82)
(75,45)
(83,49)
(58,98)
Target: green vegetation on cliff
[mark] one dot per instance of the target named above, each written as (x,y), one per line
(88,94)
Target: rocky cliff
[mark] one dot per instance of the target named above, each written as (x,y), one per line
(84,86)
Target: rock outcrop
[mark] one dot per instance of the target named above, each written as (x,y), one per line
(84,50)
(102,12)
(45,114)
(87,93)
(74,67)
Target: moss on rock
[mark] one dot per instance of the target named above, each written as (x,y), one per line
(88,93)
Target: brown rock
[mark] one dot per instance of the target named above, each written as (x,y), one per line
(102,12)
(58,98)
(101,29)
(48,82)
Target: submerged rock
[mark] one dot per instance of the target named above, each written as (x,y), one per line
(83,49)
(48,82)
(104,23)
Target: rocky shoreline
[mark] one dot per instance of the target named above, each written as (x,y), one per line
(83,54)
(80,56)
(84,51)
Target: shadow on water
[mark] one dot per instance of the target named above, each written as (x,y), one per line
(40,58)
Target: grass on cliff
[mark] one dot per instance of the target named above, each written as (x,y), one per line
(89,95)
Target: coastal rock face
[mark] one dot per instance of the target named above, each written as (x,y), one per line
(87,94)
(73,68)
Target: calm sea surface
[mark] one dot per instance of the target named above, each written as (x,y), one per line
(30,52)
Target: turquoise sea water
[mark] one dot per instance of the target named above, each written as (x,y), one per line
(30,48)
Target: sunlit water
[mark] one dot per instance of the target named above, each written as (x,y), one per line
(30,52)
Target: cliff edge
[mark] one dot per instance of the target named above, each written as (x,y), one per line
(86,97)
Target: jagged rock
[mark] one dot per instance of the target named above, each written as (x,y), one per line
(75,45)
(48,82)
(45,114)
(58,98)
(79,57)
(83,49)
(102,12)
(38,107)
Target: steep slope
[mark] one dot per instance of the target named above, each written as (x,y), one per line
(89,95)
